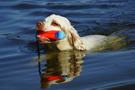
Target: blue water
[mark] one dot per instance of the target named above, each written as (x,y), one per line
(21,66)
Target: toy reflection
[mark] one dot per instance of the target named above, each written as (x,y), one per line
(61,67)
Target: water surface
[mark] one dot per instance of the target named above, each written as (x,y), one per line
(22,68)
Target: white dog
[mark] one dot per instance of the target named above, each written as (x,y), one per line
(72,41)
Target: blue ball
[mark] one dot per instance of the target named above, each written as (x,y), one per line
(61,35)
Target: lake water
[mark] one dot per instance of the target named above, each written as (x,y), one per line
(23,68)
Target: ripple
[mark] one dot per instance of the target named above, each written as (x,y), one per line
(110,69)
(23,6)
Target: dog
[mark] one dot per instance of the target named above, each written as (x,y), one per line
(72,41)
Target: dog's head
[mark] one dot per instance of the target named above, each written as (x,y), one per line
(56,22)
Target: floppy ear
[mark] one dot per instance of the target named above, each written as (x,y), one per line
(74,39)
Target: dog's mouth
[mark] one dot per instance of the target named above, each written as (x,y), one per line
(43,36)
(45,40)
(39,28)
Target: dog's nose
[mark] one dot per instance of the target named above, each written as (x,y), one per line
(40,23)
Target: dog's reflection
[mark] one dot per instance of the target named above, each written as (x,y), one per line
(61,67)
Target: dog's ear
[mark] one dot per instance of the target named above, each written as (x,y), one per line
(74,39)
(71,33)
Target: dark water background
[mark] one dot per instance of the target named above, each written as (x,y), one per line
(20,68)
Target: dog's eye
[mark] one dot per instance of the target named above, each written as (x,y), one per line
(55,24)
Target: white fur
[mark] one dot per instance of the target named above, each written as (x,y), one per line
(72,40)
(93,41)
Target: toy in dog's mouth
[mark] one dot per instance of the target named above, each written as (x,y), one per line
(45,40)
(50,36)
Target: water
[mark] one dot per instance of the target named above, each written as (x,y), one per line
(22,68)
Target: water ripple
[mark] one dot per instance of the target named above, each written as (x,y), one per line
(109,69)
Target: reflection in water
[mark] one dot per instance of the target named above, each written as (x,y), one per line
(61,67)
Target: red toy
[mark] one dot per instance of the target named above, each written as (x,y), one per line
(53,34)
(51,78)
